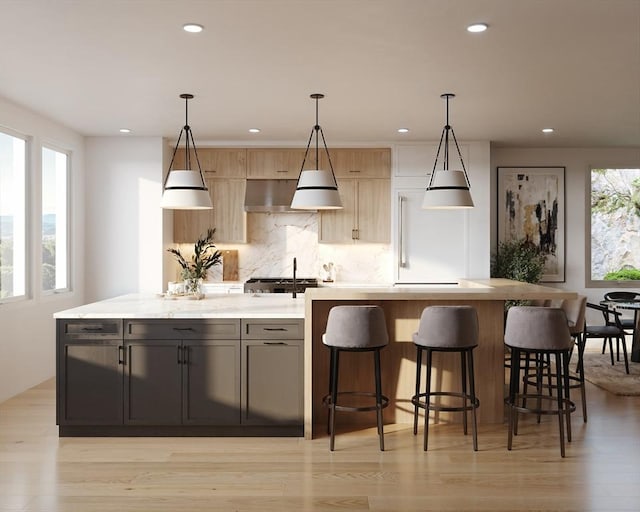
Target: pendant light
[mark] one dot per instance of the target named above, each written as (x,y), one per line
(316,189)
(185,189)
(448,188)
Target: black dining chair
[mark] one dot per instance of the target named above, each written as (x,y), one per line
(612,328)
(629,324)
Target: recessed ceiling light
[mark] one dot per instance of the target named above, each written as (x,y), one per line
(403,130)
(477,27)
(547,130)
(125,130)
(254,130)
(194,28)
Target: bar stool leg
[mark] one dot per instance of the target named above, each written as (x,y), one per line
(376,356)
(463,369)
(472,390)
(418,374)
(567,390)
(334,397)
(514,382)
(427,399)
(560,399)
(332,362)
(581,345)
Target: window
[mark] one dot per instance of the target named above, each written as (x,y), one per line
(54,220)
(13,235)
(614,224)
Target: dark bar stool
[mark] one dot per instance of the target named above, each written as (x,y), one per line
(446,329)
(537,332)
(355,329)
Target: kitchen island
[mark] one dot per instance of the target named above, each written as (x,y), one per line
(402,308)
(144,365)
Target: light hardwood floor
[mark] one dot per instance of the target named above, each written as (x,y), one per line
(44,473)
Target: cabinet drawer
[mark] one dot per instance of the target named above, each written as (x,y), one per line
(268,329)
(98,329)
(223,329)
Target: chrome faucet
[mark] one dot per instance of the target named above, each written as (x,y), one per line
(295,285)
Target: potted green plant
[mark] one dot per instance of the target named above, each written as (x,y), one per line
(205,256)
(519,260)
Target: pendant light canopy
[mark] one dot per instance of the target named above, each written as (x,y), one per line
(448,188)
(316,189)
(185,189)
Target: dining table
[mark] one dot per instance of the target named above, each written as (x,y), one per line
(634,306)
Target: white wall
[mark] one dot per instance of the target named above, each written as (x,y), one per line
(124,239)
(27,328)
(577,163)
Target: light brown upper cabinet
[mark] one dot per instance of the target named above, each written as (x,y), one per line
(358,163)
(277,163)
(363,176)
(217,162)
(366,214)
(228,215)
(224,171)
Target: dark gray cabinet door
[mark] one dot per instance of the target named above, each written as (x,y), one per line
(153,382)
(90,390)
(273,385)
(211,382)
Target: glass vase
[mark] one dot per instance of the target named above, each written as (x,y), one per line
(193,286)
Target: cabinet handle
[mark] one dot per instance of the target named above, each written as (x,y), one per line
(355,234)
(179,354)
(121,354)
(354,171)
(93,329)
(283,171)
(274,343)
(183,329)
(185,355)
(401,260)
(274,329)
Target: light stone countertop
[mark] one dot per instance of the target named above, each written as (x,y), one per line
(466,289)
(241,305)
(244,305)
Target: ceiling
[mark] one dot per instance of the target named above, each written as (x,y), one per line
(100,65)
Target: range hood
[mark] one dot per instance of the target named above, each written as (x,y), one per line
(269,195)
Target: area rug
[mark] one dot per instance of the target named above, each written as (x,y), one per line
(598,371)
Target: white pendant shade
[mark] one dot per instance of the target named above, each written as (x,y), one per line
(185,190)
(448,189)
(316,190)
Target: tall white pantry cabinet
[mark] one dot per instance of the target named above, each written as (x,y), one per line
(439,246)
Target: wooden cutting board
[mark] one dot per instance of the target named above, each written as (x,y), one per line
(230,265)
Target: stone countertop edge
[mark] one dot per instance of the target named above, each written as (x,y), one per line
(284,306)
(466,289)
(212,306)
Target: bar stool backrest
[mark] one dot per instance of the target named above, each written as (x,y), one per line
(537,328)
(447,327)
(575,310)
(356,327)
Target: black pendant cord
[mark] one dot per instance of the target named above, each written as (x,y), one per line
(188,140)
(317,128)
(445,137)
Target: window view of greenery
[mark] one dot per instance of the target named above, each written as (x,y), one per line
(615,224)
(54,220)
(12,216)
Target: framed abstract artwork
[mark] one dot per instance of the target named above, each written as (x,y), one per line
(531,207)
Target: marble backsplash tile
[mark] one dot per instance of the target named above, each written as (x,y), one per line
(274,239)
